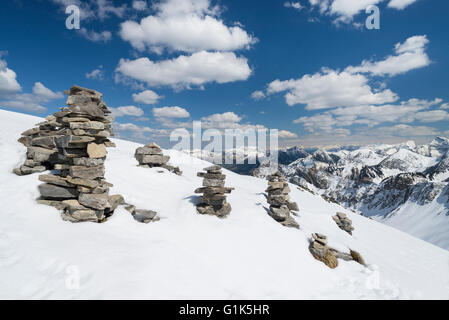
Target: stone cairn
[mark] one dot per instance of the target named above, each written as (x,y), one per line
(80,137)
(279,200)
(151,156)
(329,256)
(343,222)
(213,200)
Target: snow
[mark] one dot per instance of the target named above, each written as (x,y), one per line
(188,256)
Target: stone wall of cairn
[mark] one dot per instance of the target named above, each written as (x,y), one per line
(213,200)
(343,222)
(151,156)
(279,200)
(79,141)
(41,149)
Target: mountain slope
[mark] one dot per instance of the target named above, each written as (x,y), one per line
(401,185)
(188,256)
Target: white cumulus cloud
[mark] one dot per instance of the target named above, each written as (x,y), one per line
(409,55)
(146,97)
(127,111)
(329,89)
(171,112)
(184,25)
(197,69)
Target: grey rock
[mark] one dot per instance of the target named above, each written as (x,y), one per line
(95,201)
(55,180)
(87,172)
(49,191)
(279,214)
(213,183)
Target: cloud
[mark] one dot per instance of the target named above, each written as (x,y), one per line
(94,9)
(329,89)
(404,130)
(31,101)
(258,95)
(400,4)
(197,69)
(407,111)
(94,36)
(96,73)
(127,111)
(106,7)
(343,10)
(45,94)
(227,120)
(294,5)
(146,97)
(184,25)
(8,79)
(409,55)
(445,106)
(171,112)
(139,5)
(284,134)
(432,116)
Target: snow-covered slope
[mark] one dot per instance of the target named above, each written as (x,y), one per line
(401,185)
(185,255)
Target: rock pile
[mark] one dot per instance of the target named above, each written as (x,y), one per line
(80,137)
(151,156)
(279,200)
(213,200)
(343,222)
(329,256)
(320,251)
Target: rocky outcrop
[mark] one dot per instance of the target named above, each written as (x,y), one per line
(151,156)
(213,200)
(279,200)
(343,222)
(78,139)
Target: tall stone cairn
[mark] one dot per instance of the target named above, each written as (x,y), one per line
(151,156)
(80,137)
(279,200)
(213,200)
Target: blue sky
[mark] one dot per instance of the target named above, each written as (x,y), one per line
(309,68)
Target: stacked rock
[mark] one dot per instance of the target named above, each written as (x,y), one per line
(343,222)
(81,137)
(41,148)
(320,251)
(279,200)
(329,256)
(151,156)
(213,200)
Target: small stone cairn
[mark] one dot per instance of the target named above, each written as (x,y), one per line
(213,200)
(329,256)
(343,222)
(279,200)
(151,156)
(80,137)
